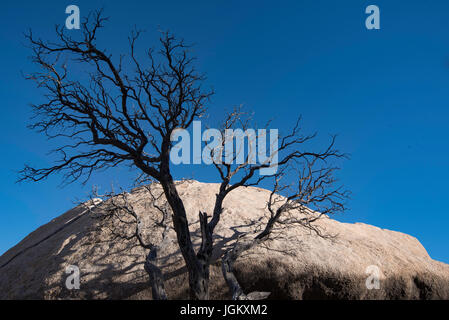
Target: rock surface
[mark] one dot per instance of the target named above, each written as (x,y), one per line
(298,265)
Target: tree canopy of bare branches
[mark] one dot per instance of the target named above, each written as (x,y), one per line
(107,115)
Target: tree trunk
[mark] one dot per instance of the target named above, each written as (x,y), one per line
(204,255)
(156,276)
(199,282)
(198,267)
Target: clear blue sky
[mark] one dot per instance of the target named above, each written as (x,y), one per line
(385,92)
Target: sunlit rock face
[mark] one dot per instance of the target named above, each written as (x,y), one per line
(359,261)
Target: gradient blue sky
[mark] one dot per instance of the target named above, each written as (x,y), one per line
(385,92)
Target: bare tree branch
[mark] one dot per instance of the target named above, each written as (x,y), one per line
(108,115)
(301,202)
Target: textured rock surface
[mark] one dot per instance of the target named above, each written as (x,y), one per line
(299,265)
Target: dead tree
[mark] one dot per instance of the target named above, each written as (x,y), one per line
(109,116)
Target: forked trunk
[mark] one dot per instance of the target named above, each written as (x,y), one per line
(197,266)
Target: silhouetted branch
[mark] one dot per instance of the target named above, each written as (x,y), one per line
(108,115)
(310,196)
